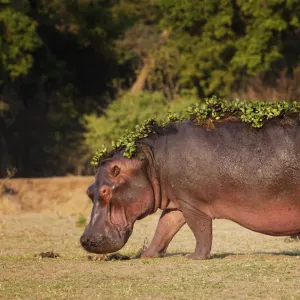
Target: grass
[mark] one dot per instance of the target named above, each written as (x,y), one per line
(81,221)
(247,265)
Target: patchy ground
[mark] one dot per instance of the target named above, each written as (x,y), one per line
(247,265)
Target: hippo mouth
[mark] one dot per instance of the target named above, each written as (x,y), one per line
(102,244)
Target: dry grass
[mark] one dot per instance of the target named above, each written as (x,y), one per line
(247,265)
(62,195)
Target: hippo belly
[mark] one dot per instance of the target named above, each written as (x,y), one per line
(277,216)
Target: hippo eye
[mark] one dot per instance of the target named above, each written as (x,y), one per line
(115,171)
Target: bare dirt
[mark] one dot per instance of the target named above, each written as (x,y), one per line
(62,195)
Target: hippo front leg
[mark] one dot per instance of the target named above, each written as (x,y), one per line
(201,226)
(171,220)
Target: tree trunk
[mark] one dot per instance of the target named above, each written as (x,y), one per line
(3,158)
(148,62)
(140,82)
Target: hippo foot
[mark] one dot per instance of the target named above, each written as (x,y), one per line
(152,254)
(198,256)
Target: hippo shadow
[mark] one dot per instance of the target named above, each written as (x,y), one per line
(170,254)
(271,253)
(235,255)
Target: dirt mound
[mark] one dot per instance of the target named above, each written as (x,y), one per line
(64,195)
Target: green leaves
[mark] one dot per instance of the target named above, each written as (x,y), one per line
(99,153)
(18,39)
(255,113)
(127,143)
(222,42)
(128,111)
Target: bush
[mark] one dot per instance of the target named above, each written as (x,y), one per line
(286,88)
(128,111)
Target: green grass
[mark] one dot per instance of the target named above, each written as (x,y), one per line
(247,265)
(81,221)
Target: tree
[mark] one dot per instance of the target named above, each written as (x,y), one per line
(57,63)
(18,39)
(61,60)
(222,43)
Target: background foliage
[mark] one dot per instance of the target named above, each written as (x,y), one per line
(128,111)
(75,74)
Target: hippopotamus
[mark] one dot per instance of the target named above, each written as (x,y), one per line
(195,174)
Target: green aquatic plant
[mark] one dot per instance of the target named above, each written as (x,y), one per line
(214,109)
(255,113)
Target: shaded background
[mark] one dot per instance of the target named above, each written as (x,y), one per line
(75,74)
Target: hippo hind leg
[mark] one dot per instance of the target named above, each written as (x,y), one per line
(170,222)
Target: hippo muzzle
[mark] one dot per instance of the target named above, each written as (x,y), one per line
(100,244)
(111,241)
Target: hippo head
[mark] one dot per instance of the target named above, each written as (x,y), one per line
(123,192)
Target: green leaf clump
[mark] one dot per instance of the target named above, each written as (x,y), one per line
(255,113)
(126,142)
(214,109)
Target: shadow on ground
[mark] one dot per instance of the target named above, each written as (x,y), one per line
(240,255)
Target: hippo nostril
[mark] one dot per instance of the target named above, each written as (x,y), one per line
(104,191)
(83,240)
(93,243)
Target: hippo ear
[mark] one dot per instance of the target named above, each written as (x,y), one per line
(115,171)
